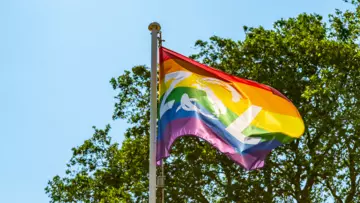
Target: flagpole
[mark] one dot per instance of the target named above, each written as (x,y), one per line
(154,28)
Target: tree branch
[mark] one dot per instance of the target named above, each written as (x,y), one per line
(333,192)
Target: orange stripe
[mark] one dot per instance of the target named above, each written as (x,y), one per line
(267,100)
(173,65)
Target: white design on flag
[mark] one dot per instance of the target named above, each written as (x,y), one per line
(177,77)
(187,105)
(234,93)
(216,103)
(242,122)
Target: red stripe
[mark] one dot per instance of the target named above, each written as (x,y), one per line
(166,54)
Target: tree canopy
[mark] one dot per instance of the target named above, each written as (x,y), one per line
(315,63)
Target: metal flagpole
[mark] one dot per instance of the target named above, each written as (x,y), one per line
(154,28)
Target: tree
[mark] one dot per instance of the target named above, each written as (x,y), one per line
(316,65)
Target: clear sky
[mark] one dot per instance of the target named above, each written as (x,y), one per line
(57,57)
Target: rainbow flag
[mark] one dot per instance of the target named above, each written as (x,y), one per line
(241,118)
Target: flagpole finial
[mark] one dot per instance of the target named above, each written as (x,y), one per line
(154,25)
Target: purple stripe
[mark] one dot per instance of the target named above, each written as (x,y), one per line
(195,127)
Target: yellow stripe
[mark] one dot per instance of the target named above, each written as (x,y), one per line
(273,122)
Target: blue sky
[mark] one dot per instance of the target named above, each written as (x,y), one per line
(57,57)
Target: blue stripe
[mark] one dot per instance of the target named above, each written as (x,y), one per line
(216,126)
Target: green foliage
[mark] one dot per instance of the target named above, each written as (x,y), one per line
(316,65)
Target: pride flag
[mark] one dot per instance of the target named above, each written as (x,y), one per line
(241,118)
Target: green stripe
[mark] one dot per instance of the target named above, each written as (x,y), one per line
(252,131)
(203,100)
